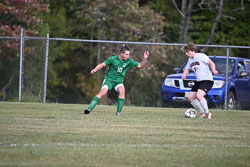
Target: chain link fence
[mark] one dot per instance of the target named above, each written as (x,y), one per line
(57,70)
(9,66)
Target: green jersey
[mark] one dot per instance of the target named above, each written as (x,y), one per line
(118,68)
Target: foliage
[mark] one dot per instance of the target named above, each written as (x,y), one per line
(69,65)
(230,31)
(106,20)
(16,14)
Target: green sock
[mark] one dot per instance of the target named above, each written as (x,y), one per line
(120,104)
(93,103)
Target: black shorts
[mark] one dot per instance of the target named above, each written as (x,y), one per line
(203,85)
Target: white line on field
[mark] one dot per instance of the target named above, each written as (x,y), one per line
(129,145)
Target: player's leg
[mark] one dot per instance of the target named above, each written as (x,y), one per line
(120,101)
(96,99)
(195,103)
(105,87)
(192,98)
(201,93)
(203,102)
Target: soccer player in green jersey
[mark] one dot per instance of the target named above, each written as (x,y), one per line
(118,67)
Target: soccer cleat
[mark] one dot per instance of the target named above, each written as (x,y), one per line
(202,115)
(118,113)
(87,111)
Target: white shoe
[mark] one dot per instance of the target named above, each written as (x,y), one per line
(209,115)
(118,113)
(202,115)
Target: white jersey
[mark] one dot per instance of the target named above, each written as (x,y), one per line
(199,64)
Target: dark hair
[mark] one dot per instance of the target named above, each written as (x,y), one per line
(190,47)
(124,49)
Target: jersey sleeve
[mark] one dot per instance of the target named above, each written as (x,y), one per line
(205,58)
(109,60)
(134,63)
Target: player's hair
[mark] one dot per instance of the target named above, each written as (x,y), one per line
(191,47)
(124,49)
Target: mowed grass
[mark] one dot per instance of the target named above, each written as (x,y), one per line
(58,135)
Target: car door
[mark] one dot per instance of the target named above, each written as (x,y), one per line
(248,81)
(242,83)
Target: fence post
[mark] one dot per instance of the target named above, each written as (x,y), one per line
(45,69)
(225,102)
(20,66)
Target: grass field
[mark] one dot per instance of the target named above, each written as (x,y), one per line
(58,135)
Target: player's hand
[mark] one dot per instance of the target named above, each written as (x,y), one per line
(146,54)
(93,71)
(183,77)
(215,72)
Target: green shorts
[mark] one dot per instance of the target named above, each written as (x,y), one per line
(111,84)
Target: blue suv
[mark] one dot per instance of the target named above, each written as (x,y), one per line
(175,90)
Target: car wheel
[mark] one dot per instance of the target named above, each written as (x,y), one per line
(231,101)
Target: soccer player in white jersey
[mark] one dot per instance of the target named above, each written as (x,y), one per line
(199,63)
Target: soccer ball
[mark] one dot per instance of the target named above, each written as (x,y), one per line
(190,113)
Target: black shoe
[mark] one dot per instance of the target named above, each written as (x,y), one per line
(87,111)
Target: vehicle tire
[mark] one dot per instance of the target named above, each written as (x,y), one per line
(231,101)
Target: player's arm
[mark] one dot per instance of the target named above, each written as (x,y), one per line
(212,66)
(144,61)
(185,73)
(98,67)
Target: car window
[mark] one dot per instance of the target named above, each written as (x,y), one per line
(183,68)
(248,66)
(221,63)
(240,67)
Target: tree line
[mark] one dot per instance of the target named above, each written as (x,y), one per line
(175,21)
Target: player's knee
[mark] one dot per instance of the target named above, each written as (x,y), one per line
(121,91)
(99,95)
(190,99)
(200,96)
(102,93)
(191,96)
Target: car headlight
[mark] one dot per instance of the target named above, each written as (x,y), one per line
(169,82)
(218,83)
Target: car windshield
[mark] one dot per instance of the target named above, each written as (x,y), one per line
(220,64)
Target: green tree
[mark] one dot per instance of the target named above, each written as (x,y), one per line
(106,20)
(231,27)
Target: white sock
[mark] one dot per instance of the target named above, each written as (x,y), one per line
(203,103)
(197,105)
